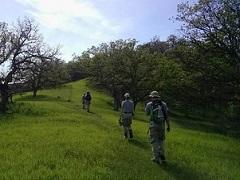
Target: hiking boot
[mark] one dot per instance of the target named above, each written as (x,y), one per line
(162,157)
(130,134)
(155,160)
(125,135)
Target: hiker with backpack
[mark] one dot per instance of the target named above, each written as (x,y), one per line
(157,110)
(87,101)
(127,112)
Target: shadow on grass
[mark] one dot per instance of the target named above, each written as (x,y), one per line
(41,98)
(138,143)
(188,116)
(109,103)
(23,109)
(195,123)
(91,112)
(207,124)
(140,119)
(5,116)
(199,126)
(180,172)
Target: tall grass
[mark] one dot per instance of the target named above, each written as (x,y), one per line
(51,137)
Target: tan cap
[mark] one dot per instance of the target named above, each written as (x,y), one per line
(154,94)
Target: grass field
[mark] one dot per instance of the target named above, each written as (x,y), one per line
(51,137)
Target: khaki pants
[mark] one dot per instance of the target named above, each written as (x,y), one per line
(87,105)
(127,122)
(157,137)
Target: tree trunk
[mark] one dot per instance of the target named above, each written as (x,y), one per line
(35,92)
(117,100)
(116,104)
(35,86)
(4,97)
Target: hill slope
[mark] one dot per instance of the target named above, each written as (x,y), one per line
(51,138)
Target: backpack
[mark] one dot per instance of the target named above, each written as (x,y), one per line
(158,112)
(88,97)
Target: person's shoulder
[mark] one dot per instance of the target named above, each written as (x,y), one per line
(131,101)
(123,102)
(149,104)
(164,105)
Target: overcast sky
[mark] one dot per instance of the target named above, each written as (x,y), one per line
(79,24)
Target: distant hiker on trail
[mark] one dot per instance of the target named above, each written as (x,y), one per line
(127,108)
(83,101)
(87,101)
(157,109)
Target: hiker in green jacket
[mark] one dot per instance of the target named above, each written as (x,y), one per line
(157,109)
(127,111)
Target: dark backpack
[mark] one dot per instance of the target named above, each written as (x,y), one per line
(88,97)
(158,112)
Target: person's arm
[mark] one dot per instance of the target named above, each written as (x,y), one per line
(132,108)
(122,106)
(147,109)
(166,117)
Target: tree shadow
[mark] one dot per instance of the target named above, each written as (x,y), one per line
(40,98)
(140,119)
(23,109)
(194,123)
(188,116)
(180,172)
(91,112)
(199,126)
(5,116)
(139,144)
(109,103)
(224,127)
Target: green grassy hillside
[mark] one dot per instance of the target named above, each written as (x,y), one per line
(51,137)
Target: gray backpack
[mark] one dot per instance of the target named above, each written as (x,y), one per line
(158,112)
